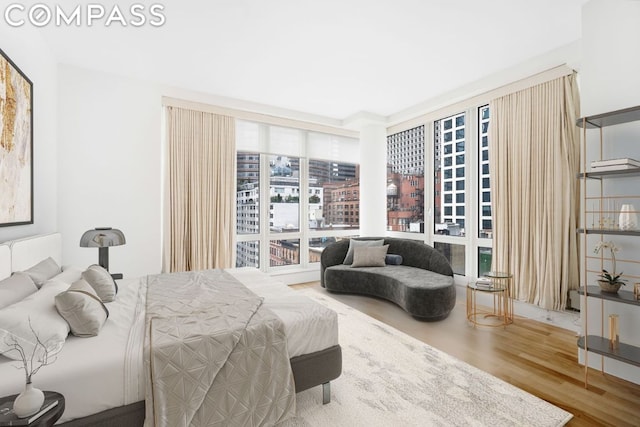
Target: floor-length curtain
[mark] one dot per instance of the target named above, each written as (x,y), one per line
(200,210)
(535,156)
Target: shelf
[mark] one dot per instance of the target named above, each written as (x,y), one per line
(610,231)
(611,174)
(625,297)
(625,352)
(612,118)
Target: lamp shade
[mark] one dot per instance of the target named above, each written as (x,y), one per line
(102,237)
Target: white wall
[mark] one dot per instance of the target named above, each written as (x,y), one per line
(610,80)
(27,50)
(109,167)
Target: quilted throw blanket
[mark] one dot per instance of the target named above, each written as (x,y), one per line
(214,356)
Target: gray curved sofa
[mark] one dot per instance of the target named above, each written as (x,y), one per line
(422,285)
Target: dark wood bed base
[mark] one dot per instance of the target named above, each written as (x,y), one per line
(309,370)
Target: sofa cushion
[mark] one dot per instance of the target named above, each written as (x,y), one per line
(393,259)
(353,243)
(369,256)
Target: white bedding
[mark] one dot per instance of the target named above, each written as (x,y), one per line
(98,373)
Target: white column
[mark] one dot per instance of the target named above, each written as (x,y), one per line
(373,175)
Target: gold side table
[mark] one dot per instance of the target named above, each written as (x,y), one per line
(499,286)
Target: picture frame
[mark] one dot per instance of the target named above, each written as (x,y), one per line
(16,144)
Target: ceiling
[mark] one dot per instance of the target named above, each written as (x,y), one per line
(331,58)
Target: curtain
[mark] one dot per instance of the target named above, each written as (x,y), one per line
(535,156)
(200,208)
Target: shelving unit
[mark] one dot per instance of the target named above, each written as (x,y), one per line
(589,342)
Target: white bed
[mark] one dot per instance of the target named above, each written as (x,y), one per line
(98,373)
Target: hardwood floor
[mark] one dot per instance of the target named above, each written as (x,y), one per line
(536,357)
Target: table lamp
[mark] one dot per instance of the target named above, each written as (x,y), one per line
(102,238)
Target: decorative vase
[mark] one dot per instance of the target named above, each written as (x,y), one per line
(605,286)
(628,219)
(28,402)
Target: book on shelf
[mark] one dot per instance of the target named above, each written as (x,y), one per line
(613,168)
(484,283)
(613,162)
(9,418)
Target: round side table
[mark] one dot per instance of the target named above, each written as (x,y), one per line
(47,419)
(499,287)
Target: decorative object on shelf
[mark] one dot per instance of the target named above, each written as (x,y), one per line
(609,282)
(16,145)
(102,238)
(614,332)
(30,400)
(636,291)
(628,218)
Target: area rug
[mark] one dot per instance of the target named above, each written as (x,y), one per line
(392,379)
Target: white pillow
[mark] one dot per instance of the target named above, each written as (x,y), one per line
(16,288)
(43,271)
(39,309)
(68,275)
(82,309)
(102,282)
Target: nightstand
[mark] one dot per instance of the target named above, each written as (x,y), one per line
(49,418)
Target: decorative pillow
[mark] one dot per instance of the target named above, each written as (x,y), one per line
(43,271)
(369,256)
(37,312)
(393,259)
(102,282)
(82,309)
(16,288)
(353,243)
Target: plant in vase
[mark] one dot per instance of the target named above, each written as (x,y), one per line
(609,282)
(31,399)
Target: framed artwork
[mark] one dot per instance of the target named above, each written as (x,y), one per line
(16,145)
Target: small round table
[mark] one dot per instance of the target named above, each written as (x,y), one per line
(47,419)
(498,284)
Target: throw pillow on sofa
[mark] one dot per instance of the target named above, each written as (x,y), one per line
(353,243)
(369,256)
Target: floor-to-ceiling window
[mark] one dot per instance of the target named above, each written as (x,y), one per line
(310,184)
(405,181)
(485,219)
(455,200)
(450,184)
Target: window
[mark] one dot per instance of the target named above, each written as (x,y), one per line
(485,228)
(333,184)
(305,177)
(449,201)
(405,180)
(284,193)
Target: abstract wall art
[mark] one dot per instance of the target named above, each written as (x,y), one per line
(16,145)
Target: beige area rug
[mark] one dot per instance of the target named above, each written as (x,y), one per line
(392,379)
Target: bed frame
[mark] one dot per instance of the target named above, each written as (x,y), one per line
(309,370)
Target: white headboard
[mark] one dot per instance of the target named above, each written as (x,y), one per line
(5,261)
(31,250)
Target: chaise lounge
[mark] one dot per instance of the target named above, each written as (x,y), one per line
(422,284)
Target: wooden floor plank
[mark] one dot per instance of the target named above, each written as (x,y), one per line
(539,358)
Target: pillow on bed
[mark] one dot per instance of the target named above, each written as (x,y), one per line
(357,244)
(82,308)
(102,282)
(370,256)
(16,288)
(68,275)
(43,271)
(37,311)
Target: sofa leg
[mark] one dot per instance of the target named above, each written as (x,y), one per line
(326,393)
